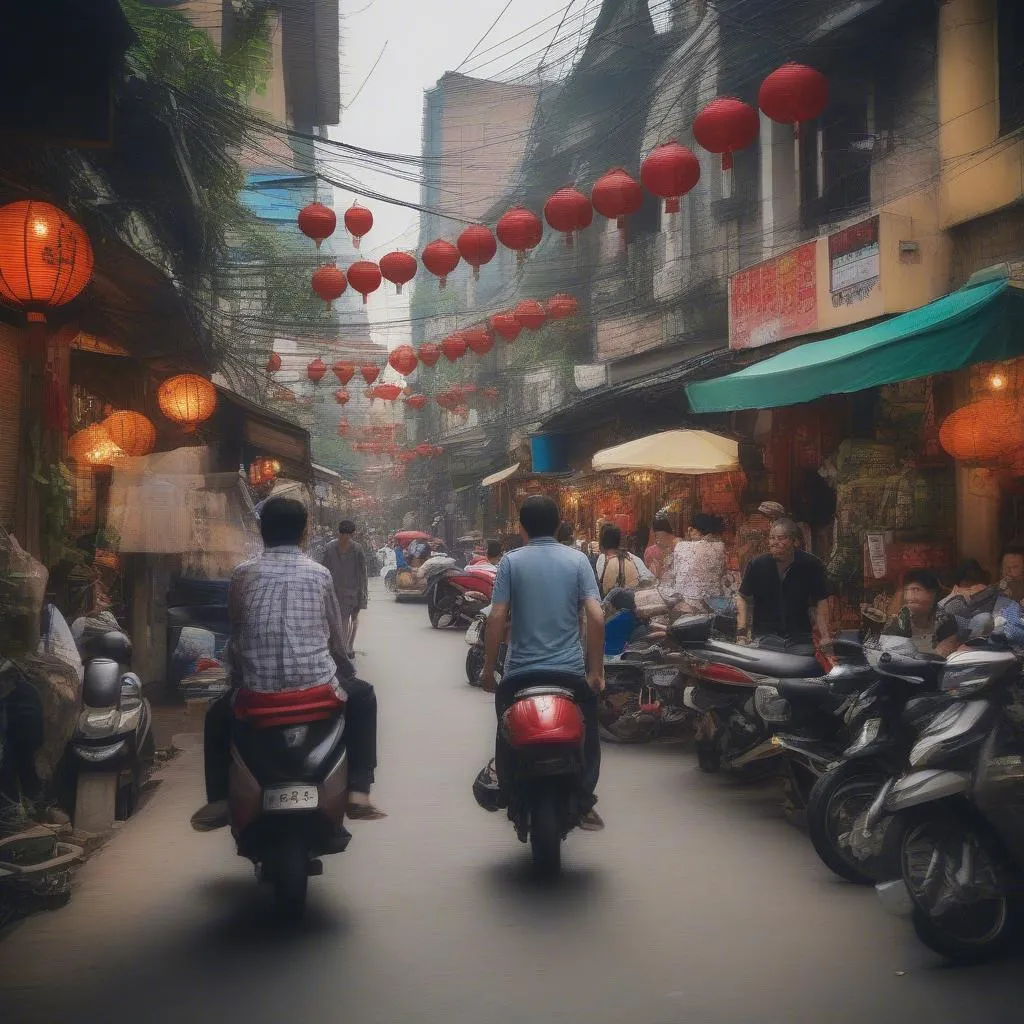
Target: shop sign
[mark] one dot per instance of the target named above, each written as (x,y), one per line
(853,262)
(774,300)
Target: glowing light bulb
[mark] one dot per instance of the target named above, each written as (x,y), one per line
(40,228)
(997,381)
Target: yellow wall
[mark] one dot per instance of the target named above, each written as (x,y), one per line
(981,172)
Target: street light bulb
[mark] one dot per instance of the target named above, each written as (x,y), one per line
(997,381)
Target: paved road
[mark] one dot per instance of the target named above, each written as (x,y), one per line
(697,904)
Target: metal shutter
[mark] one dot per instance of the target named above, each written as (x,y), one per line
(10,391)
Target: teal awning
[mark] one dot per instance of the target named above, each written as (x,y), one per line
(982,322)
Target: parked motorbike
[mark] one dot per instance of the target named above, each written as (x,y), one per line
(643,696)
(413,584)
(475,654)
(455,596)
(288,787)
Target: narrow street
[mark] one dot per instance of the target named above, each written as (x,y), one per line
(698,902)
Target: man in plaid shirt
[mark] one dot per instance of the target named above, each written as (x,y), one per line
(287,634)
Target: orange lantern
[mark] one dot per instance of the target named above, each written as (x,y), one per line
(187,400)
(45,257)
(132,432)
(94,448)
(983,431)
(403,360)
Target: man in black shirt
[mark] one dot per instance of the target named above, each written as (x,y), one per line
(783,589)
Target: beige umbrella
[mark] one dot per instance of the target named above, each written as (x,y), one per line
(673,451)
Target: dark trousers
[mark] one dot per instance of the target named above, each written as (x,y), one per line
(587,700)
(23,713)
(360,736)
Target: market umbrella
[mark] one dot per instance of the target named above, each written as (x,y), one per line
(673,451)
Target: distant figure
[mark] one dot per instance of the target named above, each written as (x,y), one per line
(346,562)
(658,555)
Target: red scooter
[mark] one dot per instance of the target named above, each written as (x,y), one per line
(456,596)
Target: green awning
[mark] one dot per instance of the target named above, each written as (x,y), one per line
(982,322)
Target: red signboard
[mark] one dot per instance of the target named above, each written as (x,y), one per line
(774,300)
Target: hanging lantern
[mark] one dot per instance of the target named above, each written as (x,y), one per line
(520,230)
(341,396)
(344,371)
(477,247)
(370,372)
(187,400)
(506,325)
(316,370)
(479,340)
(329,283)
(616,195)
(387,392)
(429,353)
(438,451)
(365,277)
(793,94)
(491,394)
(45,257)
(561,307)
(670,171)
(453,347)
(391,449)
(273,363)
(983,431)
(318,222)
(440,258)
(399,268)
(94,447)
(469,391)
(263,470)
(416,402)
(407,456)
(424,451)
(344,429)
(132,432)
(403,360)
(724,126)
(531,314)
(358,221)
(568,210)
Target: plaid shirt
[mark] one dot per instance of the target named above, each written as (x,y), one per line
(285,623)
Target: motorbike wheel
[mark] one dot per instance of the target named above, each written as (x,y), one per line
(474,665)
(291,879)
(545,834)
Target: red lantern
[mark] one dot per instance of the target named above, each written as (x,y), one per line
(391,449)
(468,390)
(343,429)
(440,258)
(506,325)
(329,283)
(399,268)
(670,171)
(416,402)
(407,457)
(792,94)
(568,210)
(316,370)
(370,372)
(424,451)
(429,353)
(365,277)
(520,230)
(403,360)
(343,371)
(531,314)
(561,307)
(724,126)
(387,392)
(318,222)
(453,347)
(273,363)
(358,220)
(616,195)
(479,340)
(477,247)
(341,396)
(491,394)
(982,431)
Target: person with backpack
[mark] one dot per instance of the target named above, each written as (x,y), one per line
(616,567)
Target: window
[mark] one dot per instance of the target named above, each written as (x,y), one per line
(1010,30)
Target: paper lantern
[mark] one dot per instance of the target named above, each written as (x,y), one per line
(273,363)
(670,171)
(93,447)
(316,369)
(568,210)
(344,371)
(616,195)
(407,456)
(399,268)
(478,340)
(983,431)
(561,307)
(453,347)
(724,126)
(329,283)
(477,247)
(429,353)
(491,394)
(187,400)
(370,372)
(531,314)
(358,221)
(506,325)
(424,451)
(45,257)
(792,94)
(403,360)
(341,396)
(387,392)
(132,432)
(416,402)
(520,230)
(365,277)
(440,258)
(318,222)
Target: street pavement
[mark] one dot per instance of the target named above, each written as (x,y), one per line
(698,903)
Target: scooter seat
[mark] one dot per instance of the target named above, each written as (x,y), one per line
(287,707)
(815,691)
(762,661)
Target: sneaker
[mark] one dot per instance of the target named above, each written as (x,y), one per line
(211,817)
(591,822)
(364,812)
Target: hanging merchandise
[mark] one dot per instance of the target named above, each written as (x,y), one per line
(983,431)
(477,247)
(365,277)
(370,372)
(403,360)
(724,126)
(561,307)
(416,402)
(440,258)
(344,371)
(318,222)
(616,195)
(273,363)
(329,283)
(399,268)
(531,314)
(341,396)
(187,400)
(520,230)
(132,432)
(429,353)
(568,210)
(506,325)
(358,221)
(478,340)
(316,370)
(453,347)
(793,94)
(669,172)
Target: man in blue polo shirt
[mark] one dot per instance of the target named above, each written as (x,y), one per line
(547,585)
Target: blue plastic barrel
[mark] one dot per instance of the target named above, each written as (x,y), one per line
(549,453)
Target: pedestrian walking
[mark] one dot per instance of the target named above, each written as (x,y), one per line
(346,562)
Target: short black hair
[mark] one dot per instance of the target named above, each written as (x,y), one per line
(970,571)
(923,578)
(346,526)
(539,516)
(565,532)
(493,548)
(611,537)
(282,522)
(662,524)
(705,522)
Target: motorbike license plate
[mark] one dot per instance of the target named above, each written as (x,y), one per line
(290,798)
(474,632)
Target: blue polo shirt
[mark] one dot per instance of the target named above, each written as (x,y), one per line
(545,584)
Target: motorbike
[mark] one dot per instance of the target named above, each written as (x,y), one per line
(288,787)
(475,654)
(413,584)
(456,596)
(643,696)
